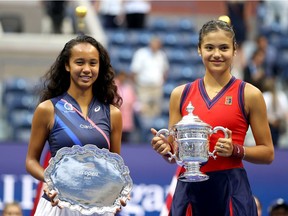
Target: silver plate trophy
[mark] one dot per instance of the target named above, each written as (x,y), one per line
(88,179)
(192,145)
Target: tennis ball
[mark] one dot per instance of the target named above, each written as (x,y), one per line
(225,19)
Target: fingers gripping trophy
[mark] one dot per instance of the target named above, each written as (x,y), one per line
(192,145)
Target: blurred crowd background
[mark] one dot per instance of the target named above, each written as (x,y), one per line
(165,33)
(33,32)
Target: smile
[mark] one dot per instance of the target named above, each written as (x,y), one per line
(217,61)
(86,78)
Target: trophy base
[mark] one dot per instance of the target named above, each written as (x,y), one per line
(193,173)
(193,177)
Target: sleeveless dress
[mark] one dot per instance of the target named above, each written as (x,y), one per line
(71,128)
(227,191)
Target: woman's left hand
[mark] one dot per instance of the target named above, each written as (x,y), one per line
(51,195)
(224,146)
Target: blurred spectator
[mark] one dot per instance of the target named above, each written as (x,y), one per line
(260,15)
(259,206)
(136,12)
(254,71)
(277,109)
(128,108)
(110,12)
(276,13)
(150,66)
(11,23)
(270,64)
(12,209)
(238,11)
(71,14)
(56,10)
(279,208)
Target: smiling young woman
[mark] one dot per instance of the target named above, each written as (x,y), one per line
(79,105)
(220,99)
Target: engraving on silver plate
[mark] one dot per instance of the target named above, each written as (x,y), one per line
(88,179)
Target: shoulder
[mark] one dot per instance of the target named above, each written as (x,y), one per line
(141,50)
(44,114)
(115,112)
(253,97)
(252,92)
(176,94)
(162,52)
(116,118)
(45,107)
(139,54)
(177,91)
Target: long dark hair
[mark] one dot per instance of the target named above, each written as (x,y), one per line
(57,80)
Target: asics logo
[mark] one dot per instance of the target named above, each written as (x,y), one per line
(97,109)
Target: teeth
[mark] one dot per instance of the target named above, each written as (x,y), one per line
(85,77)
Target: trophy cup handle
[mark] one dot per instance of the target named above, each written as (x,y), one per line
(166,133)
(215,129)
(212,154)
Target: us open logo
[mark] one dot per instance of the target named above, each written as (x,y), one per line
(228,100)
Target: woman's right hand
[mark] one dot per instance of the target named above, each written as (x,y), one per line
(50,194)
(160,143)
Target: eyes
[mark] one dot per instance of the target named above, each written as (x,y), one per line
(92,62)
(223,48)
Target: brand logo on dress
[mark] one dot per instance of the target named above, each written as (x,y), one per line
(86,126)
(68,107)
(228,100)
(97,109)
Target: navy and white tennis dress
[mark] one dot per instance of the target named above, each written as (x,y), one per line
(71,128)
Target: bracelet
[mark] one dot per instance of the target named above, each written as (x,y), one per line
(238,151)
